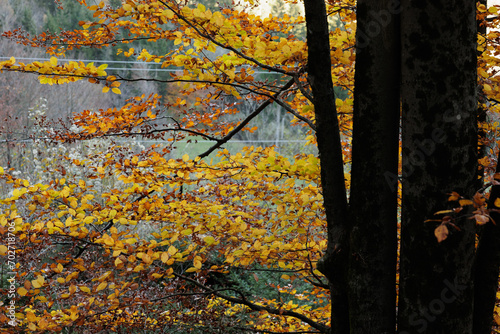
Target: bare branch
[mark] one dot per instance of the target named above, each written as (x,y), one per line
(247,120)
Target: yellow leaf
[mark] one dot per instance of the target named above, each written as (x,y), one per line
(116,91)
(101,286)
(22,291)
(118,261)
(168,13)
(88,220)
(497,202)
(197,262)
(38,283)
(187,231)
(59,268)
(85,289)
(443,211)
(3,249)
(185,158)
(209,240)
(130,241)
(105,89)
(172,250)
(164,257)
(53,61)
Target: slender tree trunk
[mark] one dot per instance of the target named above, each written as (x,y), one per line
(439,134)
(481,111)
(374,174)
(334,263)
(487,268)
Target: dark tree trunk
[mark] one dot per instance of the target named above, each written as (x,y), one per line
(374,174)
(487,267)
(488,251)
(439,134)
(334,263)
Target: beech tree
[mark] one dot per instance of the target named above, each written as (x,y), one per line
(254,241)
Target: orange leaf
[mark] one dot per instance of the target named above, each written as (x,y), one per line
(464,202)
(441,232)
(30,316)
(454,196)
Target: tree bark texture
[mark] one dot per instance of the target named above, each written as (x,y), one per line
(487,267)
(334,263)
(439,136)
(374,173)
(487,262)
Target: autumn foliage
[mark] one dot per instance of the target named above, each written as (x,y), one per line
(127,240)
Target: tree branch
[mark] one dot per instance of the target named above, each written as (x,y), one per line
(247,120)
(205,34)
(320,327)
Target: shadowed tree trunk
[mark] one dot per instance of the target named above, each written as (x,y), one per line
(439,134)
(334,263)
(373,200)
(487,268)
(488,251)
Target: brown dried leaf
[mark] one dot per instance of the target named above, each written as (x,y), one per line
(481,219)
(479,200)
